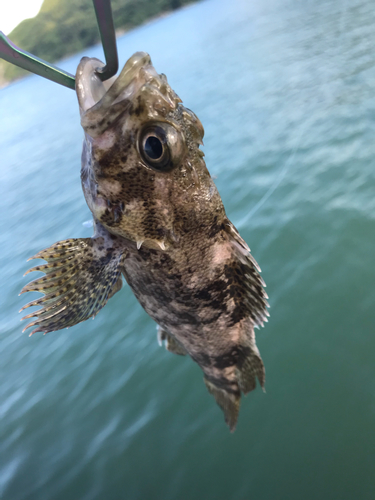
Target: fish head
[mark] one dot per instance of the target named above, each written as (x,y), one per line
(143,174)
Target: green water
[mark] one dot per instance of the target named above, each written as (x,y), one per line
(285,91)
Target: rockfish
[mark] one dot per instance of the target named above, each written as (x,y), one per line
(158,221)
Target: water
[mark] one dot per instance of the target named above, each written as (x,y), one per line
(285,90)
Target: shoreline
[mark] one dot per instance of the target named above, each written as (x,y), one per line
(119,33)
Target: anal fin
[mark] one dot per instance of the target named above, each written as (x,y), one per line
(171,344)
(80,276)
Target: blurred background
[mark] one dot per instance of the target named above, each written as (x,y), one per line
(285,91)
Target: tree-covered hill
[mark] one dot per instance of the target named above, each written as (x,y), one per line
(64,27)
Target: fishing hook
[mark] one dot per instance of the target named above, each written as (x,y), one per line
(14,55)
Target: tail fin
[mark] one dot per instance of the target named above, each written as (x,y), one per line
(249,370)
(227,391)
(229,402)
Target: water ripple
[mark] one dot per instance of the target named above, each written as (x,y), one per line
(285,92)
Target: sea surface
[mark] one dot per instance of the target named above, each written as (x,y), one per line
(286,92)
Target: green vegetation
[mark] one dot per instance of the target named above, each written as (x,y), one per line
(64,27)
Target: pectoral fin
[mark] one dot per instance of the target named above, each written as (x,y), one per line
(80,276)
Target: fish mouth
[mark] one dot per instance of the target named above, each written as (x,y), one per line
(100,102)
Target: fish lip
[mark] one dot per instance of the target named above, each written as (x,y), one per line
(96,98)
(90,89)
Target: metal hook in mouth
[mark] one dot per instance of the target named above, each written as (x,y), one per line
(14,55)
(107,32)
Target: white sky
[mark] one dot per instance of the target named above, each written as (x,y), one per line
(12,12)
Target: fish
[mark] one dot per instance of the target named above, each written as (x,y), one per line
(160,223)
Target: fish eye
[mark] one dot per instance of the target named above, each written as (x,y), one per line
(159,146)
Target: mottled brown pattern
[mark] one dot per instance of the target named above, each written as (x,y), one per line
(160,221)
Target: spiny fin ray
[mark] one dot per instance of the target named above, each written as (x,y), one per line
(256,297)
(80,276)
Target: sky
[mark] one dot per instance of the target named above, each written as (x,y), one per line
(14,11)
